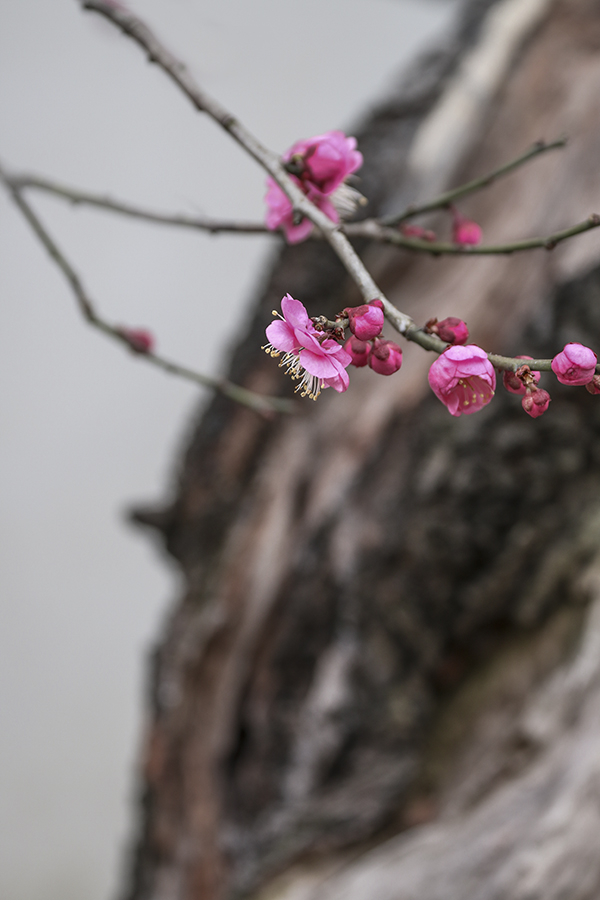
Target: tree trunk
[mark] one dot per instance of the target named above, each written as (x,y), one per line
(382,679)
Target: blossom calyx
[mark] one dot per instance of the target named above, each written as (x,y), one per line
(365,321)
(358,351)
(515,382)
(463,379)
(575,364)
(386,357)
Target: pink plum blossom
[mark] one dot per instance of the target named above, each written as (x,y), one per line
(465,231)
(366,321)
(139,339)
(324,162)
(386,357)
(513,383)
(536,402)
(575,364)
(315,361)
(358,350)
(463,378)
(452,330)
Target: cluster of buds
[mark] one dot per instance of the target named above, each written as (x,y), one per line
(366,347)
(524,382)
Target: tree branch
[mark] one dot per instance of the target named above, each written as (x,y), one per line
(257,402)
(449,197)
(76,197)
(371,229)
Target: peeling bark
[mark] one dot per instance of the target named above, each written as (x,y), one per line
(382,679)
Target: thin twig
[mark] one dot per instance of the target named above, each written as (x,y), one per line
(462,190)
(371,229)
(257,402)
(182,220)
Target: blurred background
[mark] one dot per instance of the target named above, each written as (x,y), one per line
(88,431)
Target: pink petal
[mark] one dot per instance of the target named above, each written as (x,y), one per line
(295,313)
(281,336)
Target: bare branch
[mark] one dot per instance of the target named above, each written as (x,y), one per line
(257,402)
(449,197)
(77,197)
(370,229)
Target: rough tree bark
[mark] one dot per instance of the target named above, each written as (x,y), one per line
(383,677)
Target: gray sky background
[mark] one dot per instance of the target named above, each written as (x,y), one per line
(87,430)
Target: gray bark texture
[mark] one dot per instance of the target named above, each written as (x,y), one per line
(382,679)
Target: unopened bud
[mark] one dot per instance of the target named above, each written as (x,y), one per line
(139,339)
(365,321)
(536,402)
(452,330)
(385,357)
(594,385)
(358,350)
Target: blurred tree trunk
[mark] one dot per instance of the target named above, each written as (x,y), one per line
(382,680)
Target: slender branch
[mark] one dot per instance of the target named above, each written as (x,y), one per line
(470,187)
(258,402)
(370,229)
(76,197)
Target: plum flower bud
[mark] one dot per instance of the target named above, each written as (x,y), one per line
(139,339)
(358,351)
(536,402)
(386,357)
(415,231)
(593,386)
(463,379)
(575,364)
(452,330)
(465,231)
(366,321)
(513,383)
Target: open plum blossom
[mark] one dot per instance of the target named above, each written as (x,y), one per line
(315,362)
(575,364)
(463,378)
(323,162)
